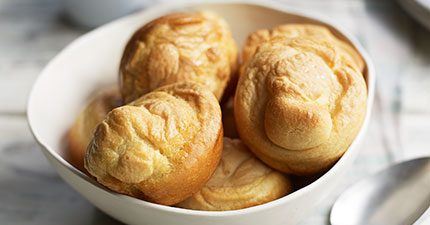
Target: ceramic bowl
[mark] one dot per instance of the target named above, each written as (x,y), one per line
(92,61)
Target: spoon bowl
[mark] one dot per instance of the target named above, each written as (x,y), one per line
(398,195)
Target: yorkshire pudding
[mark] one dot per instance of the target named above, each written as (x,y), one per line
(240,181)
(195,46)
(162,147)
(299,104)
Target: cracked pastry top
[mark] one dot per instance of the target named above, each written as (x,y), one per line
(299,104)
(240,181)
(195,46)
(300,30)
(162,147)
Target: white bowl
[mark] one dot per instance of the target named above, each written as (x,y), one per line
(92,61)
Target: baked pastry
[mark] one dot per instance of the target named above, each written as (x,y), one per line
(240,181)
(162,147)
(82,130)
(300,30)
(299,104)
(196,46)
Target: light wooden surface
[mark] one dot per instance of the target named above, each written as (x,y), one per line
(33,31)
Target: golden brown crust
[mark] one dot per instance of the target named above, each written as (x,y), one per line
(82,130)
(162,147)
(300,30)
(240,181)
(299,104)
(178,47)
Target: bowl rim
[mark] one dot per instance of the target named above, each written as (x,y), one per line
(158,10)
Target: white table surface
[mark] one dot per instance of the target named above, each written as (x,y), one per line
(33,31)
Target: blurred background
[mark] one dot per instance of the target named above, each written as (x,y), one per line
(33,31)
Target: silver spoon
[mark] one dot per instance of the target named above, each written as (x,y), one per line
(398,195)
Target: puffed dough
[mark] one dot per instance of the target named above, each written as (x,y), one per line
(299,104)
(195,46)
(82,130)
(240,181)
(300,30)
(162,147)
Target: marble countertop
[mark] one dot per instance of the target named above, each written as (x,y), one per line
(33,31)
